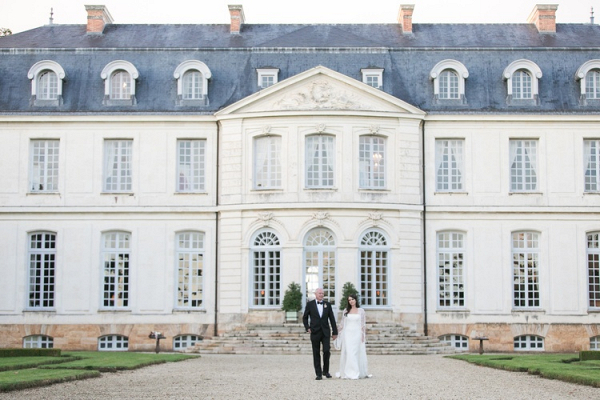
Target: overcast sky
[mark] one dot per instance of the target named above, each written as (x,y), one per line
(21,15)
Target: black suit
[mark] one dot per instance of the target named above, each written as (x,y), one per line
(320,333)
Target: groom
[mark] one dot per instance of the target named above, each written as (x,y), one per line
(321,315)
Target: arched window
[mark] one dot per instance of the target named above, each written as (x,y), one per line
(113,343)
(116,248)
(119,83)
(451,273)
(320,263)
(42,269)
(525,260)
(588,75)
(190,269)
(374,272)
(592,84)
(449,78)
(266,270)
(46,83)
(593,267)
(522,82)
(38,342)
(528,343)
(192,83)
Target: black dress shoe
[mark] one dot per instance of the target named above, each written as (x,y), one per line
(319,378)
(328,375)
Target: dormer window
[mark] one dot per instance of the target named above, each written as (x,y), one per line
(589,77)
(449,82)
(46,83)
(119,83)
(522,82)
(373,77)
(267,77)
(192,83)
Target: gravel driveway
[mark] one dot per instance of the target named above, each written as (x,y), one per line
(292,377)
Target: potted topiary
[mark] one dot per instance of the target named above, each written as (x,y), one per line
(347,290)
(292,302)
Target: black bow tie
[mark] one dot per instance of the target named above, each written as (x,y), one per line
(319,302)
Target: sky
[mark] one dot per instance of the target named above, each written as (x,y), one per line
(22,15)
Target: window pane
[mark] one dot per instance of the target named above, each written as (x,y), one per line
(190,269)
(117,165)
(266,270)
(521,85)
(374,280)
(47,87)
(267,163)
(44,165)
(371,162)
(523,156)
(192,85)
(449,162)
(525,255)
(591,150)
(115,255)
(120,85)
(448,85)
(451,290)
(191,165)
(320,151)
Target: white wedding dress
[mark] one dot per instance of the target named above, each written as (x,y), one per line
(353,356)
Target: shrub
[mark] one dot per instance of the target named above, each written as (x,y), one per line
(347,290)
(29,352)
(292,299)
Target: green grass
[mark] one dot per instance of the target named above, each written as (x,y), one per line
(26,372)
(563,367)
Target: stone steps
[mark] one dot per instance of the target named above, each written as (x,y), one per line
(382,339)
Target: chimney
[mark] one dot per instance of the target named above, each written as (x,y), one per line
(544,17)
(236,11)
(98,17)
(405,17)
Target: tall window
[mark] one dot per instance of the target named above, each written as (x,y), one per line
(592,84)
(191,165)
(190,269)
(371,162)
(38,342)
(448,85)
(451,280)
(192,85)
(267,162)
(521,85)
(591,156)
(44,165)
(117,165)
(47,87)
(42,268)
(523,165)
(449,162)
(115,256)
(593,262)
(374,288)
(525,255)
(266,270)
(319,258)
(120,85)
(320,161)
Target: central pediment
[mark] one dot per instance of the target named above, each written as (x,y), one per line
(320,89)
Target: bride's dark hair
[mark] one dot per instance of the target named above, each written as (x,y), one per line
(349,307)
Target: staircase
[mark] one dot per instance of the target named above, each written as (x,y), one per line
(382,339)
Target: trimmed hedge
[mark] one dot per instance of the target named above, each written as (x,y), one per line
(29,352)
(589,355)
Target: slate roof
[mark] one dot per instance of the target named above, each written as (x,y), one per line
(407,59)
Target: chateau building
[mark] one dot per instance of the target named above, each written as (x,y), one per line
(177,178)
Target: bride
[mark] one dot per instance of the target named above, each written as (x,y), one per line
(352,332)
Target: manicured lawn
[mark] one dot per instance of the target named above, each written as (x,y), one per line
(26,372)
(564,367)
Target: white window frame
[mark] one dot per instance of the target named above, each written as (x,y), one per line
(451,280)
(373,77)
(459,70)
(320,161)
(205,75)
(320,263)
(118,166)
(582,75)
(113,342)
(372,162)
(38,342)
(525,258)
(595,343)
(37,91)
(190,259)
(266,270)
(449,173)
(41,276)
(593,269)
(591,165)
(265,75)
(44,165)
(182,342)
(267,162)
(528,343)
(116,270)
(109,72)
(374,269)
(459,342)
(523,162)
(528,67)
(191,166)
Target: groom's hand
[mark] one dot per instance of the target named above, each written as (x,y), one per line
(334,337)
